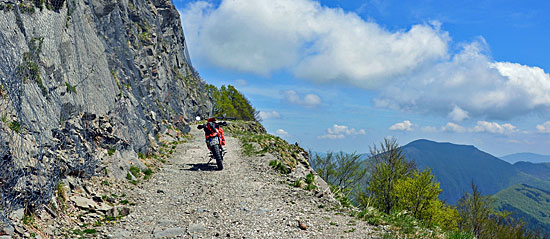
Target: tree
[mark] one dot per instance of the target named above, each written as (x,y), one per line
(229,102)
(390,166)
(474,210)
(324,165)
(342,170)
(478,217)
(417,194)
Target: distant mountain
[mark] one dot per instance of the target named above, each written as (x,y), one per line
(529,203)
(539,170)
(457,166)
(527,157)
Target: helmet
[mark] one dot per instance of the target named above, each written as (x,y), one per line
(212,119)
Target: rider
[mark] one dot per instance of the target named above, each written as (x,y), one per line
(213,129)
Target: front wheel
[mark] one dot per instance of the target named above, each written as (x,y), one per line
(218,156)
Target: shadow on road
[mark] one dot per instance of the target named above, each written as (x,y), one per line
(202,167)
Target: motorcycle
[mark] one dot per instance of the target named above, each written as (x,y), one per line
(214,141)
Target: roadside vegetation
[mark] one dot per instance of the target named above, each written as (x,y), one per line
(392,191)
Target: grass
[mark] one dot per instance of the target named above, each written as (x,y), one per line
(28,219)
(111,151)
(70,88)
(141,155)
(277,165)
(15,126)
(147,173)
(298,183)
(61,196)
(310,181)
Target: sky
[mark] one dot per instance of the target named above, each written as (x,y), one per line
(342,75)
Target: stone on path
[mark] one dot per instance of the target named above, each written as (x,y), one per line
(170,232)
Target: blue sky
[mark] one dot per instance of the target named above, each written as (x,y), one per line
(343,75)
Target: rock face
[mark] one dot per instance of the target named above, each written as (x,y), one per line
(82,79)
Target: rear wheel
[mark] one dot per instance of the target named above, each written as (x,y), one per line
(218,156)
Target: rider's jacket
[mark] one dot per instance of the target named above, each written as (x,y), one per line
(212,130)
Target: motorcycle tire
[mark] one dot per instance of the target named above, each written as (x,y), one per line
(218,156)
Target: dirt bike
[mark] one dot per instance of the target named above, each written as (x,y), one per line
(214,141)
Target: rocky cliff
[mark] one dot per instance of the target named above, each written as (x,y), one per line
(85,87)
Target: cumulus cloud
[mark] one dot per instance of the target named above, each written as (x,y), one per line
(309,100)
(458,114)
(412,68)
(262,36)
(403,126)
(544,128)
(495,128)
(471,85)
(340,132)
(269,115)
(282,132)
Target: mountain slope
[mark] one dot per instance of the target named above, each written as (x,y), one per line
(538,170)
(527,157)
(457,166)
(529,203)
(79,79)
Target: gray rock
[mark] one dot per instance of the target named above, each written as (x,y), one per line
(5,237)
(8,229)
(124,211)
(104,207)
(18,214)
(170,232)
(83,202)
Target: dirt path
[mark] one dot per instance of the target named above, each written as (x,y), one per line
(187,198)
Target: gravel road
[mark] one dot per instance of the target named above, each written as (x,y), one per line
(188,198)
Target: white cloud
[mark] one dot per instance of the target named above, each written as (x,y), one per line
(458,114)
(544,128)
(309,100)
(495,128)
(340,132)
(262,36)
(269,115)
(452,127)
(471,85)
(403,126)
(282,132)
(413,68)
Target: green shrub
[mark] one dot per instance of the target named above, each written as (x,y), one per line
(459,235)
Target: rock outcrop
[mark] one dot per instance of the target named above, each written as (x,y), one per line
(83,79)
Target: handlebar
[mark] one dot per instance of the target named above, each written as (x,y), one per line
(201,126)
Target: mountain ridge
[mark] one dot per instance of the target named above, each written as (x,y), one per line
(526,157)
